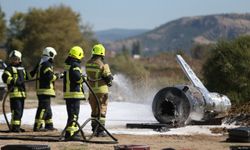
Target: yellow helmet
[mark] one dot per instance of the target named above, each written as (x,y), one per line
(76,52)
(98,49)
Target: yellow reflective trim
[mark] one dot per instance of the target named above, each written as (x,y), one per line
(77,68)
(53,79)
(39,122)
(47,69)
(7,72)
(14,70)
(50,121)
(9,80)
(42,114)
(77,95)
(102,120)
(101,89)
(17,94)
(72,130)
(15,122)
(46,92)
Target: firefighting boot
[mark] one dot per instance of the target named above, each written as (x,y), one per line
(15,128)
(50,127)
(39,128)
(101,132)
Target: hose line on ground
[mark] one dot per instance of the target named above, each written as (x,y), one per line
(63,132)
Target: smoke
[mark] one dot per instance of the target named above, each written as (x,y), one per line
(125,90)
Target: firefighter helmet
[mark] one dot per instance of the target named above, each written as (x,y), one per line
(16,54)
(76,52)
(98,49)
(50,52)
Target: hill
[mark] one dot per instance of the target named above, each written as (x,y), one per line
(184,32)
(117,34)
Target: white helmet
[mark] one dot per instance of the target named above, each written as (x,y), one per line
(16,53)
(50,52)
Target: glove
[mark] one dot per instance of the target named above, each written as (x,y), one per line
(108,80)
(59,75)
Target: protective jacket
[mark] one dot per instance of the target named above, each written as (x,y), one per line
(46,78)
(14,77)
(99,75)
(72,87)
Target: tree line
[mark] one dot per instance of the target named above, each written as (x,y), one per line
(57,26)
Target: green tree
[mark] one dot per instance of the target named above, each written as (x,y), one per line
(227,70)
(2,26)
(15,31)
(56,26)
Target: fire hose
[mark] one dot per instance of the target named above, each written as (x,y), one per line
(87,121)
(63,132)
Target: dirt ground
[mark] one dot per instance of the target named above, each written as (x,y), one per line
(155,142)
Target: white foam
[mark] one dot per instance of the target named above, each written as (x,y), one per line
(118,115)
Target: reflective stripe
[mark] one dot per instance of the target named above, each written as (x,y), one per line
(17,94)
(9,76)
(41,114)
(101,89)
(15,75)
(15,122)
(102,120)
(46,92)
(50,121)
(39,122)
(9,80)
(47,69)
(72,130)
(78,95)
(54,78)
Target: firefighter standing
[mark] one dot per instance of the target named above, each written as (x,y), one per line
(73,89)
(45,90)
(100,78)
(14,76)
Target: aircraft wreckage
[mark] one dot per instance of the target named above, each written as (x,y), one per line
(182,104)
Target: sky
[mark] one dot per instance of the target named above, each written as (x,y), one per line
(131,14)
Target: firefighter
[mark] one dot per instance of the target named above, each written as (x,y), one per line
(45,90)
(14,76)
(100,78)
(73,89)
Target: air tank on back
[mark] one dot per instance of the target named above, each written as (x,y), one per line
(182,104)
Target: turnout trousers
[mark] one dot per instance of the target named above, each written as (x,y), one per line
(44,113)
(73,108)
(16,107)
(103,100)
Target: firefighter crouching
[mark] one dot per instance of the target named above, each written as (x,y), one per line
(14,76)
(100,78)
(45,90)
(73,89)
